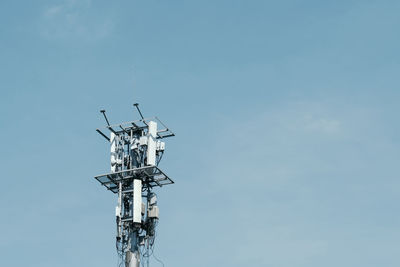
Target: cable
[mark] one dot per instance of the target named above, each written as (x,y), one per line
(158,260)
(160,157)
(153,245)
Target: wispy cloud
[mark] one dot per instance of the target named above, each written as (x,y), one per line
(72,19)
(293,180)
(321,124)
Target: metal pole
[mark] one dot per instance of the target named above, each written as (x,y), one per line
(148,252)
(133,254)
(132,258)
(148,240)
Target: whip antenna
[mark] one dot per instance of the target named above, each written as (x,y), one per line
(137,107)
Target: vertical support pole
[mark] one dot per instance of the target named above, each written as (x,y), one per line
(118,211)
(113,151)
(152,143)
(132,256)
(148,253)
(132,259)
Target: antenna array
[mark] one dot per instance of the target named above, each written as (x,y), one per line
(136,149)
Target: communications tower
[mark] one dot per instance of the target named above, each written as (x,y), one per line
(136,149)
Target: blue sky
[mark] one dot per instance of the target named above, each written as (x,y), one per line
(286,115)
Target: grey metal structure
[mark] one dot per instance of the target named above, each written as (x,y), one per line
(136,149)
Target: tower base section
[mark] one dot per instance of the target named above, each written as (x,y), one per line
(132,259)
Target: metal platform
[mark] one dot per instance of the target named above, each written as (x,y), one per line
(151,176)
(132,126)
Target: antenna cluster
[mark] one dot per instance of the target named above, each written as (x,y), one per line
(136,149)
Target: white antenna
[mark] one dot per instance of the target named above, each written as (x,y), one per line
(136,149)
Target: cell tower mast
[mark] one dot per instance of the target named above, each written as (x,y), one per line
(136,150)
